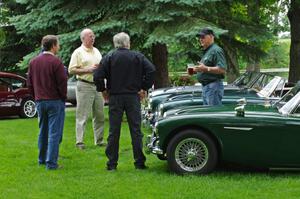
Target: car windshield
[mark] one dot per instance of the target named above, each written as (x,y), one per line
(291,105)
(277,83)
(12,83)
(246,79)
(261,81)
(288,96)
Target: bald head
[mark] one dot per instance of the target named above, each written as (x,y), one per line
(87,37)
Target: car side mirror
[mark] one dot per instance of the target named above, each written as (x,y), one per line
(240,111)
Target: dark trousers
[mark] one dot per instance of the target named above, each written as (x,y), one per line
(132,107)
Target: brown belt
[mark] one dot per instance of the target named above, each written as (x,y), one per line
(85,81)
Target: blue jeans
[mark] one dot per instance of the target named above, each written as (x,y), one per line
(213,93)
(51,123)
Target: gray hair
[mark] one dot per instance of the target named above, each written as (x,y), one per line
(83,33)
(121,40)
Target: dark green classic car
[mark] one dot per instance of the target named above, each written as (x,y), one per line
(272,92)
(195,140)
(248,80)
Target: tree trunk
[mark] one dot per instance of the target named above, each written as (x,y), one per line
(253,64)
(253,12)
(232,71)
(160,60)
(294,18)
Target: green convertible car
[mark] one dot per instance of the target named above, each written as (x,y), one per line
(245,86)
(272,92)
(246,81)
(195,140)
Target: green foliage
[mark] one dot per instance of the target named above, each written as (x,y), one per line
(26,59)
(154,23)
(182,80)
(174,23)
(12,46)
(277,55)
(4,13)
(2,37)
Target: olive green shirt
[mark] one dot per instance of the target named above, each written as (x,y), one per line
(213,56)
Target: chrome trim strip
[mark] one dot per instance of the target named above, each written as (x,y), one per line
(238,128)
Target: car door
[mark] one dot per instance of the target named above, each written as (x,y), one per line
(252,139)
(288,149)
(8,99)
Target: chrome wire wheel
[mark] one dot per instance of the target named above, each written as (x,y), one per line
(29,108)
(191,154)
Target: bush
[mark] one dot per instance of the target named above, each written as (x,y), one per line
(182,80)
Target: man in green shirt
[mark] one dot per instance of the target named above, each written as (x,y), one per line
(211,68)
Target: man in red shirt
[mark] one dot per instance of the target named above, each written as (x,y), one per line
(47,82)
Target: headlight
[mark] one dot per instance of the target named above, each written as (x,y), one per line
(161,106)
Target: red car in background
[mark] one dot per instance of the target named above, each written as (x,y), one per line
(15,98)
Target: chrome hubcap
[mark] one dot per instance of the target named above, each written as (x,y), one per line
(29,108)
(191,154)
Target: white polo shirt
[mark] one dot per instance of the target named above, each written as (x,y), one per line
(84,57)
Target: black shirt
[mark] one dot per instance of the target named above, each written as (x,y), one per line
(126,72)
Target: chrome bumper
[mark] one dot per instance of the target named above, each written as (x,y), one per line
(152,145)
(148,118)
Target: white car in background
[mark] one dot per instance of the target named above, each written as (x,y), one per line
(71,90)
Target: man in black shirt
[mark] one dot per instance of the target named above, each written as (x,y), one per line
(129,74)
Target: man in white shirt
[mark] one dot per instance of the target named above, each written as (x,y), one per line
(84,61)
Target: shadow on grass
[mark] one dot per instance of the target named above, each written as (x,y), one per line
(10,117)
(237,170)
(231,171)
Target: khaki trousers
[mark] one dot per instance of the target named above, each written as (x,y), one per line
(89,101)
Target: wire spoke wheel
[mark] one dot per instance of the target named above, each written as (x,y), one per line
(191,154)
(192,151)
(29,108)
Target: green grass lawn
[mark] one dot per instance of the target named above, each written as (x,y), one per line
(84,175)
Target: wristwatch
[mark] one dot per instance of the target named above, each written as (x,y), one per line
(208,69)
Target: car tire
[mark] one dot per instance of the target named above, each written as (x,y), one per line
(192,151)
(28,109)
(74,103)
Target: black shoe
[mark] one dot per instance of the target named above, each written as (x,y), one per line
(55,168)
(80,146)
(102,144)
(141,167)
(111,168)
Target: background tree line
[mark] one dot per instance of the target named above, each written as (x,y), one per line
(162,29)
